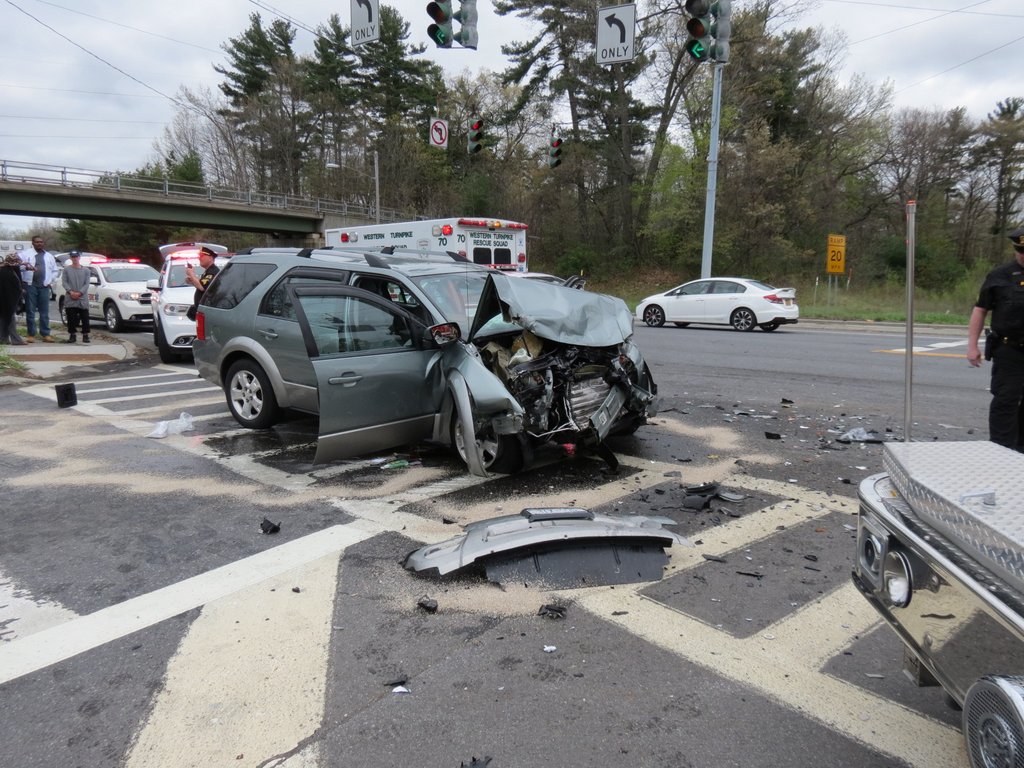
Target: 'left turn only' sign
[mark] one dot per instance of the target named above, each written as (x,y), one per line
(365,21)
(616,30)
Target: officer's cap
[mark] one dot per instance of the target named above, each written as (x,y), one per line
(1017,237)
(210,252)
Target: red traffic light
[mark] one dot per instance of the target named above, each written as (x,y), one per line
(476,125)
(556,143)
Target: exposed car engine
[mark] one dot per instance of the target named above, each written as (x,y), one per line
(559,386)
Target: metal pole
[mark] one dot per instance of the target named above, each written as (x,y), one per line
(709,202)
(376,183)
(908,374)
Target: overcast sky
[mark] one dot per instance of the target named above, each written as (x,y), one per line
(86,82)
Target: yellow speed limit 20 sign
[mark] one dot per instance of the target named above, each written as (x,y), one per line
(836,255)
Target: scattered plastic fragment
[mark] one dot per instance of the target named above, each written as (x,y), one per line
(550,649)
(396,464)
(756,575)
(619,613)
(427,604)
(859,435)
(773,435)
(268,527)
(181,424)
(297,590)
(874,676)
(476,763)
(552,611)
(400,689)
(696,501)
(714,558)
(701,488)
(730,495)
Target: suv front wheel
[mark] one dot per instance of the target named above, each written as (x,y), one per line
(250,396)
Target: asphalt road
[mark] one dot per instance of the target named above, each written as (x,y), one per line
(147,620)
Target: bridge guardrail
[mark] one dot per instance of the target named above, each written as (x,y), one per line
(39,173)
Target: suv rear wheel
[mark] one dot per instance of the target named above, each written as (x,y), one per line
(250,396)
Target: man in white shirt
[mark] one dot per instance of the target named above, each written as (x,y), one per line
(38,271)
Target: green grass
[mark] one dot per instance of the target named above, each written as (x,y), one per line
(8,364)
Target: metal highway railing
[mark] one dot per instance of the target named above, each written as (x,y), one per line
(134,184)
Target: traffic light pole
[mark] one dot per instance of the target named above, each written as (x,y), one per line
(709,202)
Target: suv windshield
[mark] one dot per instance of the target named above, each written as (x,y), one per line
(455,294)
(133,273)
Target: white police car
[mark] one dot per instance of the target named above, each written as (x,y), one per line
(173,332)
(117,291)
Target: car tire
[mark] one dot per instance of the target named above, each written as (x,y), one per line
(654,316)
(743,319)
(250,397)
(502,454)
(112,317)
(167,353)
(680,325)
(63,311)
(769,327)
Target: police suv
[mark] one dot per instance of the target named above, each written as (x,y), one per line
(117,291)
(173,332)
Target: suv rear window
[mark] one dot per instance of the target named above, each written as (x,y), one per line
(234,283)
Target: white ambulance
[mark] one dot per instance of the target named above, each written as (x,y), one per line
(496,243)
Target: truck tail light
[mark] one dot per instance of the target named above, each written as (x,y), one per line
(200,326)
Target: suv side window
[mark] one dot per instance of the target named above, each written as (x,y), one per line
(394,292)
(344,324)
(277,302)
(234,283)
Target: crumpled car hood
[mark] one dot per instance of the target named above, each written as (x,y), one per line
(552,312)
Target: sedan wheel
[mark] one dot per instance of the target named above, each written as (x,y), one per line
(250,396)
(743,319)
(654,316)
(112,317)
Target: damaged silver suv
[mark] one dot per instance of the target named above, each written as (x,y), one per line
(391,349)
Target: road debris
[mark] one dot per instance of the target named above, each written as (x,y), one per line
(427,604)
(550,648)
(860,435)
(181,424)
(268,527)
(552,611)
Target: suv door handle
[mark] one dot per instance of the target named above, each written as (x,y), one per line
(267,332)
(348,379)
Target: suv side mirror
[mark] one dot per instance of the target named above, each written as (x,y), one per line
(93,280)
(152,285)
(445,334)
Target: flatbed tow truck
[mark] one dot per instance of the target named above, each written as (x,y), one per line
(940,555)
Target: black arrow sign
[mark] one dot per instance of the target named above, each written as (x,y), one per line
(611,20)
(369,9)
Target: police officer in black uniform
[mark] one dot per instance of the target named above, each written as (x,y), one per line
(210,270)
(1002,294)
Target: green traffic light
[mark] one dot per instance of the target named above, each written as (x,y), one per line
(698,49)
(441,35)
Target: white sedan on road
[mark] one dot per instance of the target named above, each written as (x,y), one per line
(742,303)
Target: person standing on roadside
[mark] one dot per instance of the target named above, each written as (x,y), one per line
(10,295)
(39,269)
(75,279)
(201,283)
(1002,294)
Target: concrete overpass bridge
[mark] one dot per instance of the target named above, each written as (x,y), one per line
(34,189)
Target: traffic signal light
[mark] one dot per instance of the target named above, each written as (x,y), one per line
(466,16)
(441,30)
(555,151)
(710,27)
(476,135)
